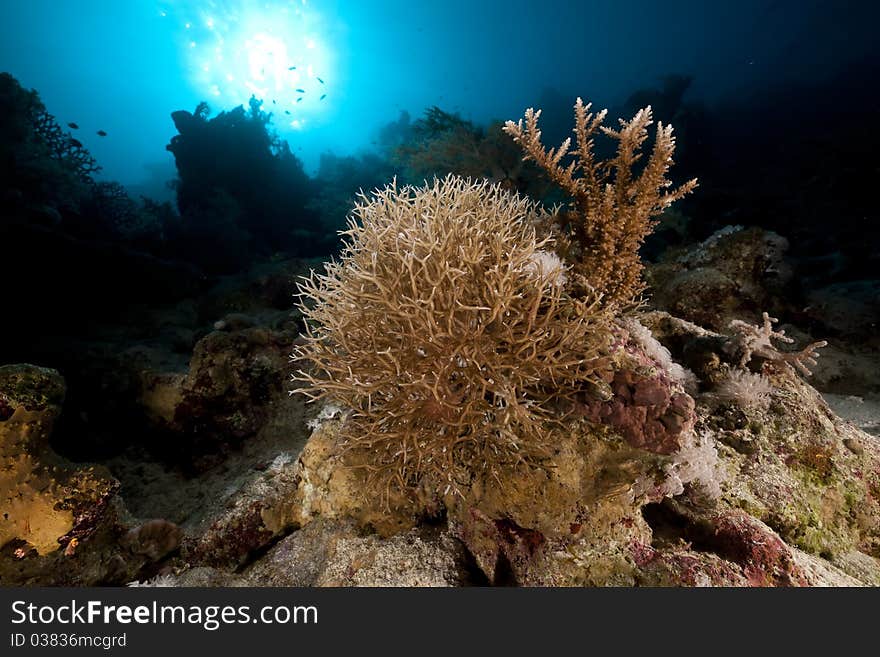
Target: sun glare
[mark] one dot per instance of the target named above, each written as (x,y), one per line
(274,50)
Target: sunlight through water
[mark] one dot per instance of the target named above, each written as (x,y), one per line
(235,49)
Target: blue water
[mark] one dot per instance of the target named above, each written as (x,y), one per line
(123,67)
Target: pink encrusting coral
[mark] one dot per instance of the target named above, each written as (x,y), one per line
(647,402)
(650,412)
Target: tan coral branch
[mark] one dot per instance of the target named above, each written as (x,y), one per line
(749,341)
(613,203)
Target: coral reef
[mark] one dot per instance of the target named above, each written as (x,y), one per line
(649,481)
(263,187)
(780,495)
(564,443)
(739,494)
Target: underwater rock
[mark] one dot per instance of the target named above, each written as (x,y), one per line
(61,521)
(299,559)
(736,272)
(153,539)
(336,553)
(257,514)
(227,394)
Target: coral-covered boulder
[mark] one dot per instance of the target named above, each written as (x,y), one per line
(256,515)
(584,503)
(61,521)
(781,493)
(736,272)
(511,537)
(227,395)
(791,463)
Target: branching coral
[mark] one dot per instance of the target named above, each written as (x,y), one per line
(446,328)
(60,145)
(749,341)
(614,202)
(41,163)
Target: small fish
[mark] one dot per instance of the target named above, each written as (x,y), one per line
(291,68)
(319,80)
(273,102)
(73,125)
(101,133)
(75,142)
(287,111)
(299,99)
(302,91)
(323,96)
